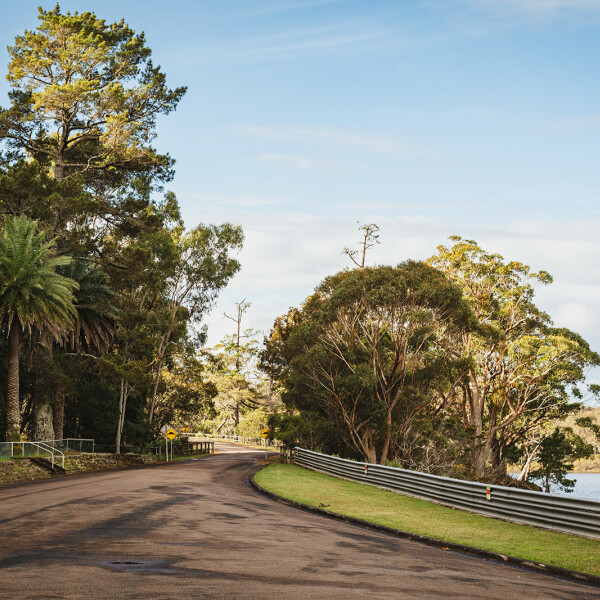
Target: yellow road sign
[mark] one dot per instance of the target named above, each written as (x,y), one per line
(171,434)
(265,432)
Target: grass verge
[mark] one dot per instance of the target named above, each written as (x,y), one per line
(426,518)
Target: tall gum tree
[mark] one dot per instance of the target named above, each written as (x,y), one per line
(521,371)
(204,265)
(85,96)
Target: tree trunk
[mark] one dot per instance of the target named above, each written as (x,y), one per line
(58,411)
(524,474)
(122,406)
(369,452)
(13,410)
(155,390)
(481,453)
(43,419)
(43,426)
(498,462)
(388,437)
(368,448)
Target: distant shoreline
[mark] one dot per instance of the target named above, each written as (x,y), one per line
(591,472)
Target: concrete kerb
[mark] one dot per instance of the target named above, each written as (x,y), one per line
(593,580)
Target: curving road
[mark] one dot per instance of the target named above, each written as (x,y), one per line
(196,529)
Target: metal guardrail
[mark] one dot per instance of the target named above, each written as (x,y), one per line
(551,511)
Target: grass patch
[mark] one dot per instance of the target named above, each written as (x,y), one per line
(426,518)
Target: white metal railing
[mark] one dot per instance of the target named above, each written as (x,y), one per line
(7,449)
(46,448)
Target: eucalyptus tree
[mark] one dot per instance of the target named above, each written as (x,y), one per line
(362,340)
(32,296)
(520,371)
(370,239)
(204,264)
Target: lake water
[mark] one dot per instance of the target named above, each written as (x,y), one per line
(587,485)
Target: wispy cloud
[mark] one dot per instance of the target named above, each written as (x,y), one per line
(580,121)
(238,201)
(367,142)
(536,10)
(279,7)
(293,43)
(296,162)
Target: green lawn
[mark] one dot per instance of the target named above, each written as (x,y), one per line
(426,518)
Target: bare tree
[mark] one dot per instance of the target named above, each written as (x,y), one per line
(370,239)
(241,308)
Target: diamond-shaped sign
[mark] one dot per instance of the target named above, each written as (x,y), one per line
(265,432)
(171,434)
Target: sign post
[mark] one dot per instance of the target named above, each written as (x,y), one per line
(171,434)
(164,430)
(265,434)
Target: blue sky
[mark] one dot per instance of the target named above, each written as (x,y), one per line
(430,118)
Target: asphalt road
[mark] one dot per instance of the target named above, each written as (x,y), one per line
(196,529)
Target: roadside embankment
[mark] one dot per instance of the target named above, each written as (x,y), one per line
(421,518)
(23,469)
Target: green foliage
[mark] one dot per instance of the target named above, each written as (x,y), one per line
(520,372)
(77,155)
(188,391)
(85,95)
(449,368)
(31,292)
(357,349)
(32,297)
(96,316)
(555,456)
(309,429)
(252,423)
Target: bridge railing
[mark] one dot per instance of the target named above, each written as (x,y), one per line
(551,511)
(238,439)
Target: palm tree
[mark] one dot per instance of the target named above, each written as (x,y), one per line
(32,296)
(93,326)
(95,314)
